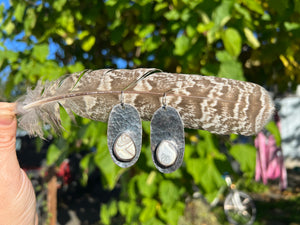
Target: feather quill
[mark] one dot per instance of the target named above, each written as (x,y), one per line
(219,105)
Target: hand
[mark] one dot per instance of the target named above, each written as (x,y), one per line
(17,198)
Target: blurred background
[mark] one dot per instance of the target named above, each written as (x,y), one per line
(253,40)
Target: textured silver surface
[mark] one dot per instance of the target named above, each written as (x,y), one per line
(166,125)
(219,105)
(124,118)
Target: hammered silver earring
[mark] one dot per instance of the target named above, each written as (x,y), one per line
(124,134)
(167,139)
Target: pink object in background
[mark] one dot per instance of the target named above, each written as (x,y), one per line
(269,161)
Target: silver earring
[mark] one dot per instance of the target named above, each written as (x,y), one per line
(124,134)
(167,139)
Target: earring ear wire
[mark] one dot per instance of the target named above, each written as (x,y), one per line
(122,98)
(164,100)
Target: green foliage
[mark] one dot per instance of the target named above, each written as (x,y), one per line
(273,129)
(249,40)
(148,198)
(87,166)
(245,154)
(108,211)
(206,164)
(232,41)
(181,35)
(52,154)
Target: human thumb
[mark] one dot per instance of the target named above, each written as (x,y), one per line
(17,198)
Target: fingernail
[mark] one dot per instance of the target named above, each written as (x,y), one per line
(6,120)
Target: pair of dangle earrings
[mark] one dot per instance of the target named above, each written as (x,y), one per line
(124,136)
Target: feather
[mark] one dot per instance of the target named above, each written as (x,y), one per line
(219,105)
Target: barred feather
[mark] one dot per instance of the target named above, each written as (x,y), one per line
(219,105)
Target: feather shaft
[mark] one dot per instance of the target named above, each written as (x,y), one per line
(74,95)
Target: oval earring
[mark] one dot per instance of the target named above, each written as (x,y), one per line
(124,134)
(167,139)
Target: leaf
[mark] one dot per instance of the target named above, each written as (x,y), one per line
(222,13)
(182,44)
(253,41)
(87,166)
(108,211)
(149,209)
(273,129)
(144,31)
(11,56)
(243,11)
(201,27)
(130,210)
(210,69)
(153,221)
(104,215)
(131,188)
(291,26)
(146,127)
(40,52)
(9,27)
(58,4)
(191,31)
(160,6)
(254,6)
(232,41)
(83,34)
(66,21)
(78,66)
(88,43)
(195,168)
(19,11)
(224,56)
(18,78)
(1,12)
(211,179)
(231,69)
(173,214)
(53,153)
(172,15)
(207,144)
(92,133)
(245,154)
(147,189)
(168,193)
(122,205)
(185,15)
(30,21)
(205,173)
(150,44)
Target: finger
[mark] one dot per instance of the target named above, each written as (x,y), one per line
(17,205)
(9,165)
(7,115)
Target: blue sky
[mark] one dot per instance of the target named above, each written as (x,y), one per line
(53,48)
(6,3)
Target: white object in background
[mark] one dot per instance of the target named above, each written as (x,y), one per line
(298,90)
(290,126)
